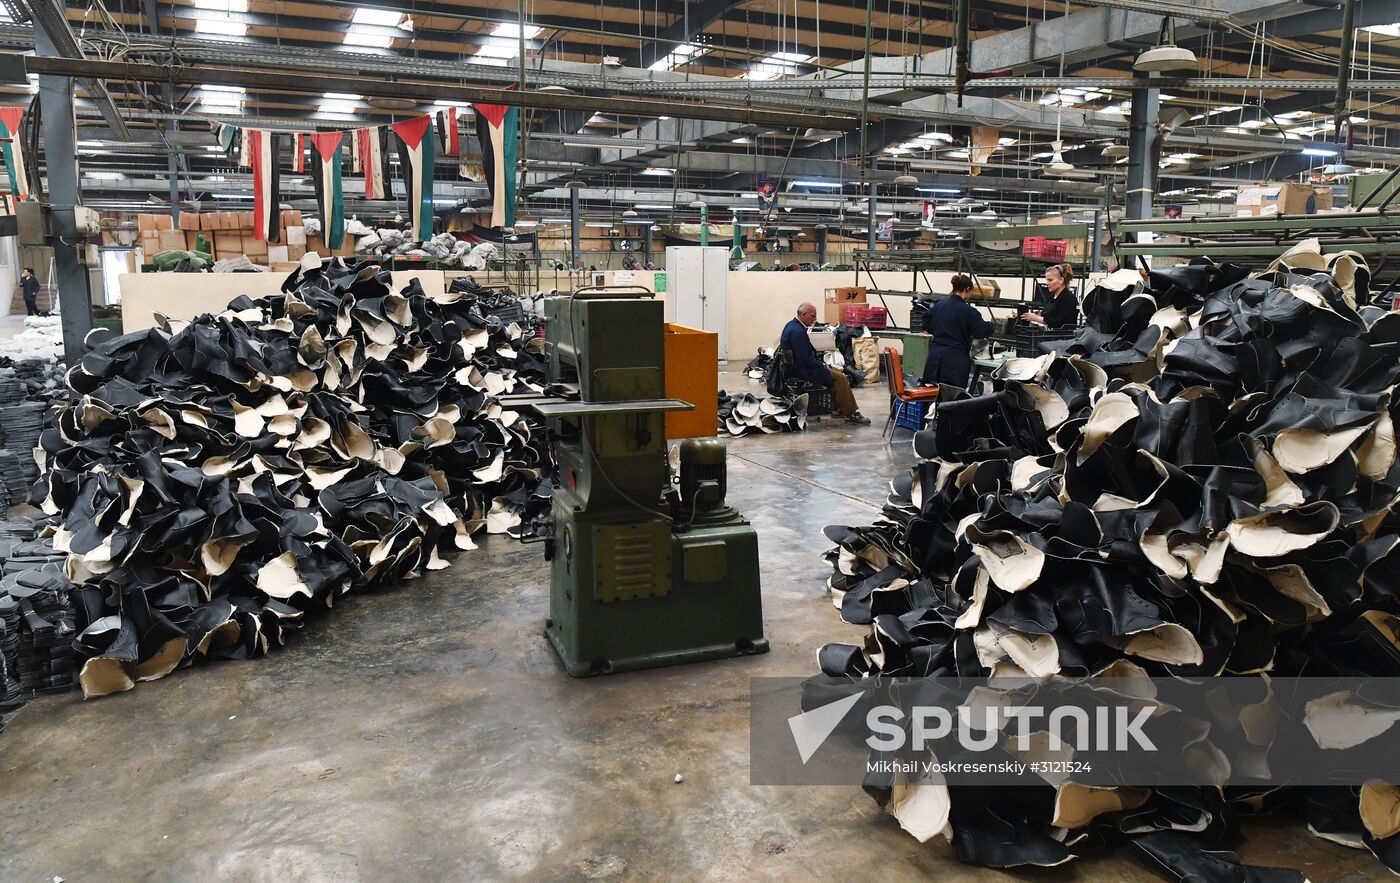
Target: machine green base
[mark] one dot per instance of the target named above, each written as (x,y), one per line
(612,608)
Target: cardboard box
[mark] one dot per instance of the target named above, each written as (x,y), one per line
(315,244)
(1303,199)
(254,247)
(295,235)
(836,301)
(291,217)
(154,222)
(296,252)
(347,247)
(245,220)
(189,220)
(228,243)
(283,266)
(277,254)
(172,240)
(150,241)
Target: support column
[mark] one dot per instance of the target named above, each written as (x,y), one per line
(646,242)
(820,230)
(59,132)
(575,255)
(151,14)
(1094,247)
(874,219)
(1143,149)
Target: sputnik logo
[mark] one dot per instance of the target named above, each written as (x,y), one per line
(811,728)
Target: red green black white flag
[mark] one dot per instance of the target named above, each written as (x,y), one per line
(496,130)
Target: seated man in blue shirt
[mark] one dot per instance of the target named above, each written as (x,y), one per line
(807,364)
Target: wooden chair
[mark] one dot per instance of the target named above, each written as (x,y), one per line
(900,397)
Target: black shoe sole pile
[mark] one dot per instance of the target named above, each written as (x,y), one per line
(36,616)
(217,479)
(1202,483)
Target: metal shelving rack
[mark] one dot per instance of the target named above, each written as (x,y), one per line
(1374,233)
(972,261)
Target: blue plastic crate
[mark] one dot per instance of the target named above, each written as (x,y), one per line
(910,415)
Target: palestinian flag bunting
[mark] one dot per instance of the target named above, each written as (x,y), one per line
(12,149)
(326,158)
(496,130)
(416,157)
(299,153)
(448,139)
(262,151)
(372,160)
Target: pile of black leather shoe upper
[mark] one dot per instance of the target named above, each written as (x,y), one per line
(1202,483)
(744,414)
(216,479)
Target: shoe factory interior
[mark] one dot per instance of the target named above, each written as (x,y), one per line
(700,440)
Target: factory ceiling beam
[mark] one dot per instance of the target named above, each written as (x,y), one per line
(51,17)
(192,76)
(681,31)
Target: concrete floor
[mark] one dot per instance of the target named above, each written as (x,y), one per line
(430,733)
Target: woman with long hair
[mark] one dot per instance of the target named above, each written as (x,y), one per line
(1063,309)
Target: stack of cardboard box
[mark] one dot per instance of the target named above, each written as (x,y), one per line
(229,235)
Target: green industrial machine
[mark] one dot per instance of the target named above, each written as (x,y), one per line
(643,573)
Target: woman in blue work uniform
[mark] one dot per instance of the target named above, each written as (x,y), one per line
(954,323)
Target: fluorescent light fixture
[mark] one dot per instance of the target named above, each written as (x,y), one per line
(511,31)
(1252,124)
(527,223)
(222,5)
(741,141)
(600,224)
(554,220)
(220,26)
(441,103)
(214,179)
(372,41)
(940,189)
(339,102)
(957,154)
(1186,155)
(1318,151)
(1294,115)
(106,176)
(1227,108)
(682,54)
(444,200)
(652,207)
(387,18)
(232,90)
(658,171)
(1391,30)
(748,196)
(233,196)
(830,184)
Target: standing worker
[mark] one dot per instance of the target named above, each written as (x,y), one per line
(29,284)
(805,364)
(954,323)
(1063,310)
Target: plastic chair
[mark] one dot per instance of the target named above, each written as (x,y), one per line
(819,399)
(901,397)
